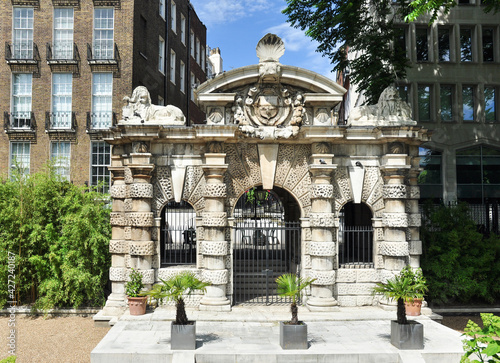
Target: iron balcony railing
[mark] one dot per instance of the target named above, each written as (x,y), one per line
(100,121)
(19,121)
(62,51)
(101,51)
(21,51)
(62,120)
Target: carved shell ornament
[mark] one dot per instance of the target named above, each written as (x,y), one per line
(216,115)
(270,48)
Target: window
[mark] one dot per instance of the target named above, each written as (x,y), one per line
(468,103)
(400,43)
(430,178)
(191,43)
(60,156)
(446,100)
(21,100)
(161,56)
(161,101)
(102,92)
(424,103)
(173,16)
(193,80)
(162,8)
(182,73)
(466,45)
(444,44)
(422,45)
(198,51)
(490,104)
(203,65)
(103,33)
(20,157)
(478,173)
(172,66)
(403,92)
(183,29)
(62,86)
(23,33)
(488,45)
(100,160)
(63,33)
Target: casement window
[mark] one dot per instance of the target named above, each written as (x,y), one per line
(424,103)
(446,103)
(60,153)
(422,40)
(444,44)
(21,100)
(203,64)
(162,8)
(22,33)
(430,179)
(183,29)
(490,104)
(20,157)
(191,43)
(62,88)
(102,94)
(103,47)
(192,85)
(161,55)
(182,74)
(468,104)
(198,58)
(173,16)
(466,45)
(63,33)
(100,160)
(172,66)
(488,45)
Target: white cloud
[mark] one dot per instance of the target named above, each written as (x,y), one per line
(212,12)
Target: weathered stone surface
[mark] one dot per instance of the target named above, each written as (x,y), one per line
(118,274)
(120,191)
(118,219)
(167,273)
(141,219)
(321,191)
(215,190)
(355,288)
(322,277)
(214,219)
(322,248)
(396,220)
(393,248)
(215,248)
(326,220)
(216,277)
(392,191)
(141,190)
(142,248)
(118,246)
(414,220)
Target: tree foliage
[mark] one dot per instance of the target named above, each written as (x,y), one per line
(59,234)
(460,263)
(367,29)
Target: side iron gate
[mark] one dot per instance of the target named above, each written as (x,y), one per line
(265,247)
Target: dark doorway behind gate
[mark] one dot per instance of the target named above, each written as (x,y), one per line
(266,244)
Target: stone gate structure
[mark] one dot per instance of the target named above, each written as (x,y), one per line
(274,126)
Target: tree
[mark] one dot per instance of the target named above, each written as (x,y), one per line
(55,236)
(357,26)
(365,28)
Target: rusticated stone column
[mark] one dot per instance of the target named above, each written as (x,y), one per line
(414,216)
(214,247)
(394,247)
(322,247)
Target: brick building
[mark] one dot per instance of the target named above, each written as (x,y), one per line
(68,65)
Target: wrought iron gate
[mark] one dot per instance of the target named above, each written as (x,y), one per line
(265,247)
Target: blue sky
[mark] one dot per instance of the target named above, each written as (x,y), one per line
(236,26)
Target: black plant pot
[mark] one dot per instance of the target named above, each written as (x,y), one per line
(293,336)
(407,336)
(183,337)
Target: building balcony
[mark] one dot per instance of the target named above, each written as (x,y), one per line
(97,121)
(23,57)
(63,57)
(103,56)
(60,121)
(20,125)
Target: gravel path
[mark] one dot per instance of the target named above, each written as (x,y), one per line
(71,339)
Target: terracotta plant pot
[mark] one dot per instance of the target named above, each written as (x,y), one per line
(137,305)
(413,309)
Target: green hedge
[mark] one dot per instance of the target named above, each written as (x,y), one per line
(59,234)
(461,264)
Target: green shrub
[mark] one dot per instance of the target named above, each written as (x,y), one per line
(11,359)
(483,343)
(59,234)
(460,263)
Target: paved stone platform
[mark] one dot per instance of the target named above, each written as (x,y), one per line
(251,334)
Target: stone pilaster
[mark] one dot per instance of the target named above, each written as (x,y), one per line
(414,216)
(394,248)
(214,247)
(323,223)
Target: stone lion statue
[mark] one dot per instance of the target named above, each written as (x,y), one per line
(138,108)
(390,110)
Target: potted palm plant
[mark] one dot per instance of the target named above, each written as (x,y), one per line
(293,333)
(413,305)
(405,286)
(176,288)
(136,299)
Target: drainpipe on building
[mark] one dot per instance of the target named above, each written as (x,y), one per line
(188,63)
(165,60)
